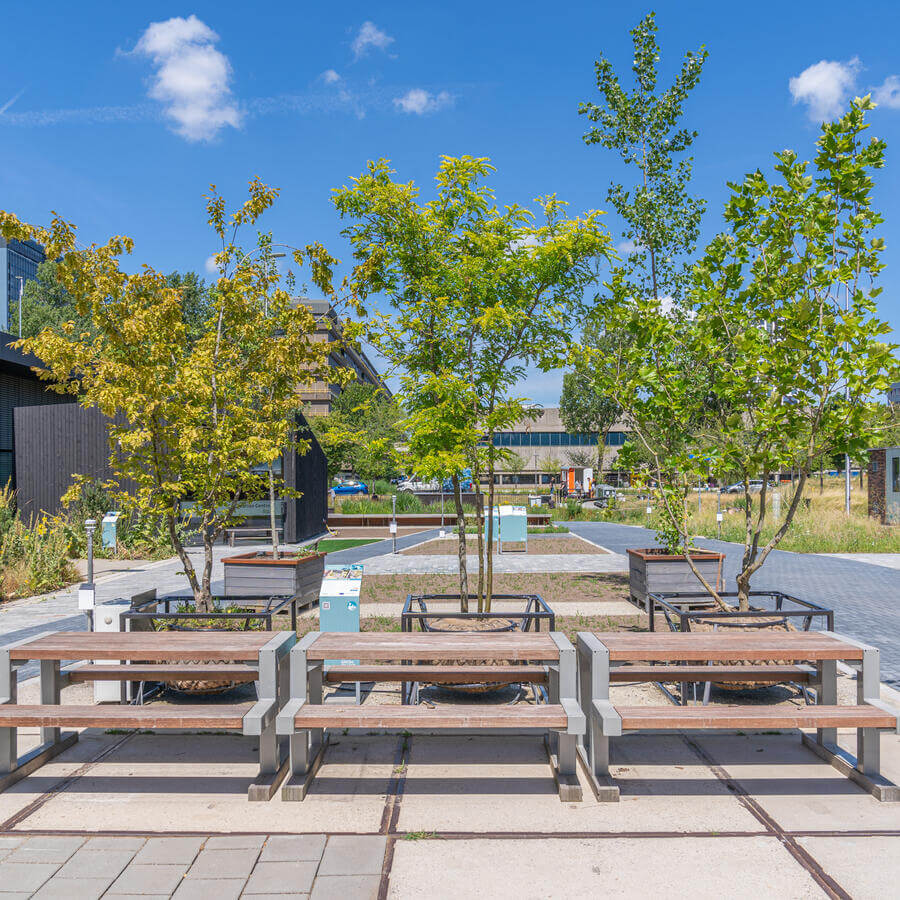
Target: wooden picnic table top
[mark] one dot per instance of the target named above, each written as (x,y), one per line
(146,646)
(629,646)
(434,647)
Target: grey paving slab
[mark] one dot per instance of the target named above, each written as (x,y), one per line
(115,843)
(281,877)
(96,863)
(278,896)
(863,596)
(148,879)
(160,851)
(224,863)
(288,847)
(348,887)
(55,853)
(54,841)
(209,889)
(505,563)
(73,889)
(235,842)
(9,842)
(353,855)
(25,877)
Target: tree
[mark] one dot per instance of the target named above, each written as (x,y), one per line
(515,464)
(661,220)
(476,293)
(361,432)
(771,363)
(201,417)
(46,304)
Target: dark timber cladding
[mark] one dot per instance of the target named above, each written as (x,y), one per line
(19,387)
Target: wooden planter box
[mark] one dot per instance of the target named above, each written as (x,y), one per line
(658,572)
(258,575)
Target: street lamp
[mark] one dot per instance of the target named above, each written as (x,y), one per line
(21,294)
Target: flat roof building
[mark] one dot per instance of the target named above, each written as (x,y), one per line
(18,259)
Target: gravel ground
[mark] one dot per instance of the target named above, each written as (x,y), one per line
(548,543)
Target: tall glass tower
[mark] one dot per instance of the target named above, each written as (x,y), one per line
(17,260)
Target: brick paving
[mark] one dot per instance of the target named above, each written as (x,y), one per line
(863,596)
(304,865)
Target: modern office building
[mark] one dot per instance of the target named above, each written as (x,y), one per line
(18,260)
(544,446)
(318,397)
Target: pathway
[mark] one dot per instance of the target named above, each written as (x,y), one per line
(864,597)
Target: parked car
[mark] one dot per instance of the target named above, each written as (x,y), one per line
(350,487)
(755,487)
(412,486)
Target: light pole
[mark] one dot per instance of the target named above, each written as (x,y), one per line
(21,295)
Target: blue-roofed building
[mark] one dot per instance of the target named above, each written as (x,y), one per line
(18,259)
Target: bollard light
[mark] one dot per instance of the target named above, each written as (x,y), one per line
(90,526)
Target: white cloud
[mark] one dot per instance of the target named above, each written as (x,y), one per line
(888,93)
(418,101)
(329,76)
(628,247)
(211,266)
(370,35)
(191,77)
(10,102)
(825,87)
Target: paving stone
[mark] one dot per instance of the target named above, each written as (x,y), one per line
(209,889)
(96,863)
(353,855)
(271,896)
(169,851)
(276,877)
(73,889)
(44,852)
(9,842)
(223,863)
(27,877)
(346,887)
(53,841)
(290,847)
(109,896)
(115,843)
(149,879)
(234,842)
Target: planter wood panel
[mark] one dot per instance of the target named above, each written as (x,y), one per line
(255,575)
(652,572)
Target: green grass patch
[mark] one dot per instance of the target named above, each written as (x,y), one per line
(330,545)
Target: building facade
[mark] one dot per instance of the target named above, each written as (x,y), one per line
(18,260)
(543,446)
(318,396)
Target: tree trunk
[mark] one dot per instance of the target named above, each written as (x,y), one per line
(205,604)
(489,556)
(601,454)
(461,529)
(479,521)
(821,475)
(189,571)
(272,523)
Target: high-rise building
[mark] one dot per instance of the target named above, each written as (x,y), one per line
(18,259)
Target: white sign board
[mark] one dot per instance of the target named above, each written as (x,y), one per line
(86,596)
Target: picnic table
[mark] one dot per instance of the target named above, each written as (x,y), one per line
(617,657)
(443,658)
(145,655)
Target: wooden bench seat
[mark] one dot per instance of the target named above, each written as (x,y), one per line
(15,715)
(439,674)
(640,718)
(548,716)
(164,673)
(759,673)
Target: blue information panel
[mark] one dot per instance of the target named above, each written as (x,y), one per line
(339,603)
(510,525)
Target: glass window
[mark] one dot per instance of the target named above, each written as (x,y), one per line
(895,474)
(555,439)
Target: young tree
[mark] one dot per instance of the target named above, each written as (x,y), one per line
(199,413)
(773,361)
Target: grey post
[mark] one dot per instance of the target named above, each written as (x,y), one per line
(566,688)
(826,695)
(594,685)
(9,686)
(50,686)
(273,662)
(300,741)
(868,687)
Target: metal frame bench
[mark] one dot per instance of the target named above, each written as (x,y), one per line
(239,531)
(162,655)
(604,660)
(305,718)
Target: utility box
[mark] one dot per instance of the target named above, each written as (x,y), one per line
(339,603)
(108,618)
(108,529)
(884,485)
(510,526)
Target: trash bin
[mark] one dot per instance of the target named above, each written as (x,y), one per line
(108,528)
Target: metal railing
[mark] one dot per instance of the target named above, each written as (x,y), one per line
(536,611)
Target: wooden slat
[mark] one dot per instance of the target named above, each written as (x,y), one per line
(425,646)
(166,673)
(519,716)
(146,646)
(721,645)
(152,716)
(760,673)
(666,717)
(439,674)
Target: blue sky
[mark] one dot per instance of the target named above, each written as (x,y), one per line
(120,127)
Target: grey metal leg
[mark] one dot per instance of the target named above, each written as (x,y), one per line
(868,687)
(50,689)
(9,689)
(826,695)
(564,686)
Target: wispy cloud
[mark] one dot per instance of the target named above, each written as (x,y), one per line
(329,76)
(191,78)
(825,87)
(370,36)
(418,101)
(10,102)
(888,93)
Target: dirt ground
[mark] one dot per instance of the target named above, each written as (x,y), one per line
(553,587)
(551,543)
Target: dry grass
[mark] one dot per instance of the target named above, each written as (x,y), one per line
(543,545)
